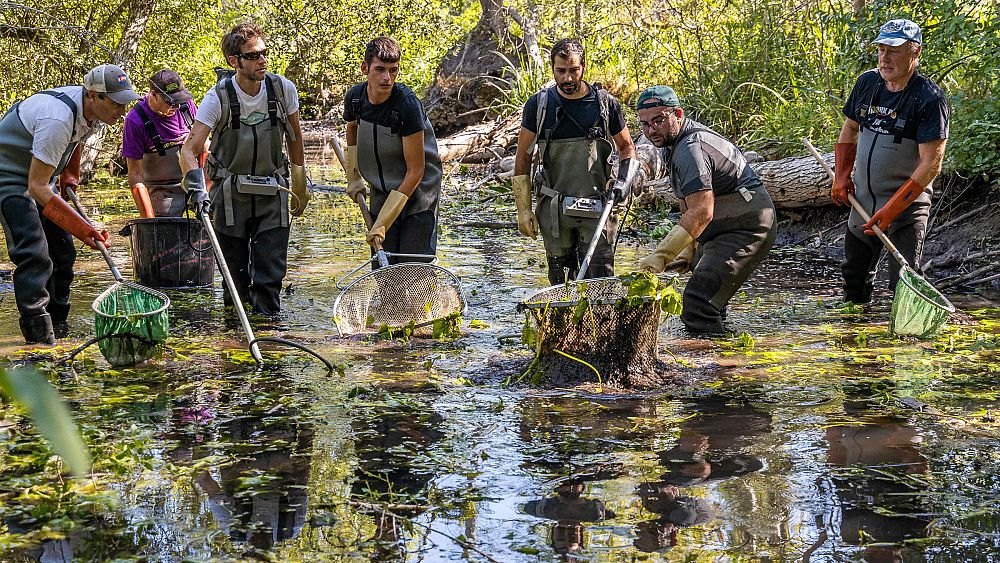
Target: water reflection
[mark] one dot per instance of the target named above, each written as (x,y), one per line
(881,484)
(570,509)
(674,510)
(258,496)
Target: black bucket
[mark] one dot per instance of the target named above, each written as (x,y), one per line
(170,252)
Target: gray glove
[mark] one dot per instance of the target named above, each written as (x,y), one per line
(197,195)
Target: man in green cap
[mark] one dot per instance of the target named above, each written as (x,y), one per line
(727,222)
(575,127)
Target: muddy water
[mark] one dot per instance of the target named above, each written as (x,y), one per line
(802,438)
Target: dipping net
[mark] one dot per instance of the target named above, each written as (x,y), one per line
(408,294)
(917,308)
(592,322)
(135,317)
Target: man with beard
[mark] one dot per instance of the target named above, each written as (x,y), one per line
(899,118)
(249,115)
(727,222)
(572,125)
(39,140)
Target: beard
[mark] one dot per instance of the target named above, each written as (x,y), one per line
(569,87)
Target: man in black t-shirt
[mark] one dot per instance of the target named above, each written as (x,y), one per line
(391,145)
(899,120)
(572,125)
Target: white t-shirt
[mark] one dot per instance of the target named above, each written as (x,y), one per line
(253,109)
(50,122)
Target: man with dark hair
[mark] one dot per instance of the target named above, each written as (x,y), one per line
(724,208)
(39,140)
(899,118)
(250,115)
(575,127)
(155,129)
(391,145)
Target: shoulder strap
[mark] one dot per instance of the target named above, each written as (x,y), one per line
(540,111)
(605,117)
(234,103)
(185,110)
(272,100)
(69,103)
(151,131)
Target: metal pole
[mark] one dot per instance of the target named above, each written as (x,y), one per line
(237,302)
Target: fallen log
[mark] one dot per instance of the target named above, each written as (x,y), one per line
(793,182)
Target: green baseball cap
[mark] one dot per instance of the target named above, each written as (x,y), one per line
(657,96)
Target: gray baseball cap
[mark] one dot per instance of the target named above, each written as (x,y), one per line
(896,32)
(112,81)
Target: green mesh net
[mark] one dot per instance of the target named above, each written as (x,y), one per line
(135,317)
(917,308)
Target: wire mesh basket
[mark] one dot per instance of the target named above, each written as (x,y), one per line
(133,321)
(917,308)
(592,331)
(410,295)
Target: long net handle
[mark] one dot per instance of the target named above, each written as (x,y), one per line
(366,213)
(585,265)
(100,244)
(857,207)
(237,301)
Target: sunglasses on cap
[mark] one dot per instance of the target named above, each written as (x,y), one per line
(253,55)
(165,97)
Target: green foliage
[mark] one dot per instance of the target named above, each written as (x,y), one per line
(643,286)
(49,414)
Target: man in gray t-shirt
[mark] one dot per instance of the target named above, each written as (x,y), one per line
(727,223)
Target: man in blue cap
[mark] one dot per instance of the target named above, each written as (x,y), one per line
(899,119)
(724,209)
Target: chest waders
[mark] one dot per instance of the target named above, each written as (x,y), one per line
(382,164)
(577,167)
(43,253)
(884,163)
(252,225)
(161,169)
(730,248)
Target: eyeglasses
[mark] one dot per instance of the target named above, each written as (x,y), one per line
(654,124)
(253,55)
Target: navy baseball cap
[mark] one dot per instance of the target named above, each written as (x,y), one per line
(655,96)
(896,32)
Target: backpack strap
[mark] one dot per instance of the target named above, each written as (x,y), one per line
(605,115)
(234,104)
(185,110)
(151,131)
(540,110)
(69,103)
(272,100)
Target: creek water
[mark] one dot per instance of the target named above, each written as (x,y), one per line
(809,434)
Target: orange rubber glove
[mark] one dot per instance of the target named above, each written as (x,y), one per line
(70,175)
(899,201)
(843,164)
(141,196)
(60,213)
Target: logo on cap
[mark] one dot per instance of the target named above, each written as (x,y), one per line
(122,79)
(894,25)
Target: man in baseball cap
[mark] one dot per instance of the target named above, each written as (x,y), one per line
(40,140)
(892,144)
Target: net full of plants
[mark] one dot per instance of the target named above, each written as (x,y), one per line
(602,330)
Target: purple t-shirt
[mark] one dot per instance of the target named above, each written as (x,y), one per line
(173,130)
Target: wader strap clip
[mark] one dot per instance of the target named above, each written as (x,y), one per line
(272,101)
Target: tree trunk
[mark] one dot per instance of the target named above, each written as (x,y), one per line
(475,74)
(139,12)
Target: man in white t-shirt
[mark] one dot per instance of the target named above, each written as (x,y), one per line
(250,114)
(39,140)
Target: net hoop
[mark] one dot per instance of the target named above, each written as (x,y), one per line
(937,299)
(114,287)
